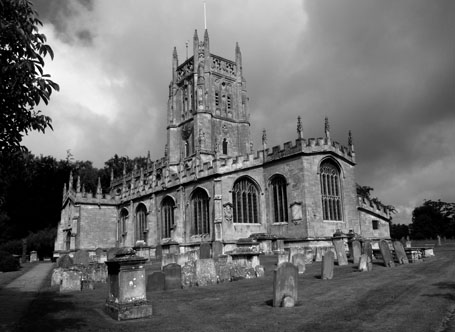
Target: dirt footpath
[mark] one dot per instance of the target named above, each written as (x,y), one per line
(16,296)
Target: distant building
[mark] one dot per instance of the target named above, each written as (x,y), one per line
(212,186)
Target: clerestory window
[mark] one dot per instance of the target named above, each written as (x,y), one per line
(167,216)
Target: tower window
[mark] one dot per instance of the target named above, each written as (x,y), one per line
(330,190)
(200,208)
(167,217)
(375,224)
(217,99)
(245,197)
(141,223)
(279,199)
(225,146)
(229,104)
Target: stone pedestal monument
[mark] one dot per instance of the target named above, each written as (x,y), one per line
(127,282)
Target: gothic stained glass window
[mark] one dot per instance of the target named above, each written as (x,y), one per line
(141,223)
(122,224)
(332,205)
(279,199)
(245,197)
(200,209)
(167,216)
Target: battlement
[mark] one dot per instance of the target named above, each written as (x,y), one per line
(373,206)
(89,198)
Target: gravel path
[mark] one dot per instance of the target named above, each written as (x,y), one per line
(16,296)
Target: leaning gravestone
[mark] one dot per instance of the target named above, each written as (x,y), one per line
(204,251)
(299,261)
(81,257)
(172,276)
(205,272)
(400,253)
(64,261)
(386,255)
(71,281)
(155,281)
(367,249)
(285,279)
(365,263)
(356,251)
(327,265)
(341,252)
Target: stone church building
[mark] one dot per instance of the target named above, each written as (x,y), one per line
(211,185)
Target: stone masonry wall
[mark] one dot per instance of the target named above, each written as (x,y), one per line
(97,227)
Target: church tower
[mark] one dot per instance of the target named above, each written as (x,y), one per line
(208,106)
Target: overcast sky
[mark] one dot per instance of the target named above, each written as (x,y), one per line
(383,69)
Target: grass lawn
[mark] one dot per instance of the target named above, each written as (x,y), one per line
(414,297)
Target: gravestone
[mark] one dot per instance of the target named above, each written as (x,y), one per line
(400,253)
(356,251)
(189,274)
(340,251)
(318,255)
(81,257)
(65,261)
(71,281)
(57,275)
(205,272)
(327,265)
(155,281)
(172,276)
(386,255)
(283,257)
(111,252)
(158,252)
(367,249)
(101,255)
(217,248)
(260,271)
(309,255)
(33,256)
(204,251)
(299,261)
(365,263)
(285,279)
(439,240)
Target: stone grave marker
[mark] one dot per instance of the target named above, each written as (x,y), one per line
(309,255)
(318,254)
(217,248)
(101,255)
(158,251)
(111,253)
(285,279)
(71,281)
(33,256)
(205,272)
(172,276)
(57,275)
(400,253)
(356,251)
(386,255)
(365,263)
(65,261)
(340,251)
(204,251)
(283,257)
(81,257)
(299,261)
(327,265)
(367,249)
(155,281)
(260,271)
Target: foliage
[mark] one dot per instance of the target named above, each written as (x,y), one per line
(23,82)
(42,242)
(13,247)
(398,231)
(433,218)
(365,192)
(8,262)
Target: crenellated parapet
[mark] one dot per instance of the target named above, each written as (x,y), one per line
(373,206)
(78,195)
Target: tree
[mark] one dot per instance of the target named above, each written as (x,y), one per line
(398,231)
(433,218)
(23,82)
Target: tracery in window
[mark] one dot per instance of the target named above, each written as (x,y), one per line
(200,210)
(245,197)
(330,190)
(141,223)
(167,216)
(279,198)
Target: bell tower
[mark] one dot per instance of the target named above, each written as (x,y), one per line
(208,111)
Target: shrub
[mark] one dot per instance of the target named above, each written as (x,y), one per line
(8,262)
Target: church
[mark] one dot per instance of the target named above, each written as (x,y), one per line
(212,186)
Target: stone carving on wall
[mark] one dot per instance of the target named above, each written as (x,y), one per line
(227,212)
(296,213)
(187,130)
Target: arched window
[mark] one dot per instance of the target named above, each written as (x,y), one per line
(245,197)
(279,198)
(141,223)
(167,216)
(68,240)
(122,225)
(332,206)
(200,209)
(225,146)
